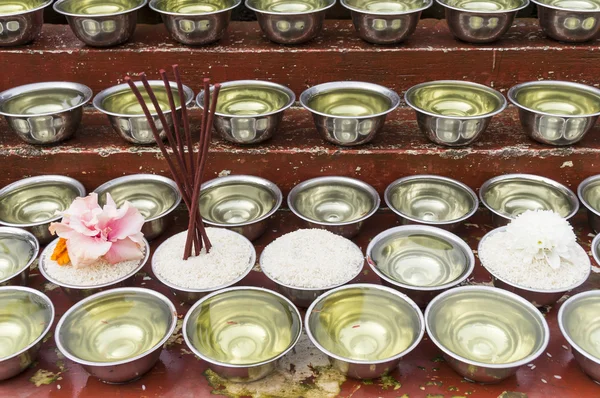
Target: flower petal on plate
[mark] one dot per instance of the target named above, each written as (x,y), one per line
(123,250)
(129,222)
(86,250)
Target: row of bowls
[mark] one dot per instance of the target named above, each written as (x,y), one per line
(107,23)
(449,112)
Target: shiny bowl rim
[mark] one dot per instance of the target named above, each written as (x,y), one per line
(47,300)
(294,310)
(334,180)
(394,292)
(350,7)
(460,185)
(257,83)
(570,195)
(595,243)
(41,178)
(170,285)
(244,178)
(153,6)
(561,323)
(33,87)
(307,289)
(337,85)
(52,245)
(539,3)
(30,239)
(463,83)
(58,9)
(430,231)
(99,98)
(533,310)
(524,3)
(45,4)
(144,177)
(529,289)
(139,290)
(328,4)
(582,186)
(513,91)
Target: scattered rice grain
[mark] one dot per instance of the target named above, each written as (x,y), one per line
(557,377)
(544,381)
(550,355)
(565,347)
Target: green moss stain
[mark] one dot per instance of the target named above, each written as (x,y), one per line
(512,394)
(388,381)
(176,337)
(43,376)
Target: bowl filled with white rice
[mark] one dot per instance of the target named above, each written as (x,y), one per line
(309,262)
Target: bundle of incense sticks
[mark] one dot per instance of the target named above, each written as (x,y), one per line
(187,170)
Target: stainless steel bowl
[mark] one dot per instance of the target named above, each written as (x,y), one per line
(195,23)
(19,250)
(420,261)
(249,111)
(77,292)
(338,204)
(126,116)
(385,22)
(44,113)
(537,297)
(556,112)
(364,329)
(486,334)
(27,317)
(117,335)
(155,197)
(241,203)
(242,332)
(290,21)
(32,203)
(595,249)
(21,21)
(189,295)
(509,195)
(589,194)
(477,21)
(569,21)
(579,324)
(454,112)
(101,23)
(349,113)
(431,200)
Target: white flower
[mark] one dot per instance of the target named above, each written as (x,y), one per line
(541,235)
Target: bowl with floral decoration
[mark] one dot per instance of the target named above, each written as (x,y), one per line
(98,247)
(535,256)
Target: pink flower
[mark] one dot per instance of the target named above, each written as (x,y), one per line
(92,231)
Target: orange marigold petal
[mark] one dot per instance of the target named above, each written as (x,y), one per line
(60,253)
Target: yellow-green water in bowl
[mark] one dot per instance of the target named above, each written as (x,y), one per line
(349,102)
(288,6)
(23,318)
(192,6)
(559,99)
(43,101)
(387,6)
(250,100)
(15,254)
(150,197)
(235,203)
(485,5)
(116,327)
(98,7)
(454,99)
(8,7)
(124,101)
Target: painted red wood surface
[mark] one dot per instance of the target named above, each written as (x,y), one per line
(179,374)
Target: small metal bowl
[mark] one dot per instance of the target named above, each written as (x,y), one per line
(126,116)
(241,203)
(249,111)
(77,292)
(578,323)
(290,21)
(486,334)
(338,204)
(117,335)
(385,22)
(27,317)
(19,250)
(154,196)
(556,112)
(595,249)
(537,297)
(476,21)
(44,113)
(32,203)
(431,200)
(242,332)
(420,261)
(569,21)
(349,113)
(195,23)
(98,23)
(21,21)
(364,329)
(589,194)
(509,195)
(454,112)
